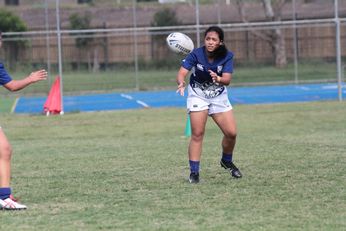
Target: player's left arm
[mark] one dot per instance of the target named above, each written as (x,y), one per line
(225,79)
(15,85)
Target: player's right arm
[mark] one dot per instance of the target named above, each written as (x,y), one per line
(15,85)
(182,73)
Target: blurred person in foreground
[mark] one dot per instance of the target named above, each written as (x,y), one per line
(212,68)
(7,201)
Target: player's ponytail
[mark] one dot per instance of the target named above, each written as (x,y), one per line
(221,51)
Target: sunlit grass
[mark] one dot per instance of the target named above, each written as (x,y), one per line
(127,170)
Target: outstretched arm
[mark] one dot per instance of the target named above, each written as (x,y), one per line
(15,85)
(182,73)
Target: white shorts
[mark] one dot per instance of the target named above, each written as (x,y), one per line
(215,105)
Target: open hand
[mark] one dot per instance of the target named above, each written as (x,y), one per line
(181,88)
(214,76)
(38,76)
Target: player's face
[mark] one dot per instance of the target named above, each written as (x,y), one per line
(212,41)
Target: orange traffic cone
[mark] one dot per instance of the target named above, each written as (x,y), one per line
(53,102)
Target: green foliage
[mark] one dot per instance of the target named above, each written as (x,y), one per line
(10,22)
(78,22)
(165,17)
(85,1)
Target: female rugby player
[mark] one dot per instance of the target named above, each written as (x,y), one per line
(212,67)
(7,202)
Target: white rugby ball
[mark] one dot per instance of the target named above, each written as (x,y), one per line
(179,43)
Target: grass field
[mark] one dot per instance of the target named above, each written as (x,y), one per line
(6,104)
(127,170)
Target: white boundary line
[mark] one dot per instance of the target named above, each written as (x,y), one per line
(13,108)
(143,104)
(126,96)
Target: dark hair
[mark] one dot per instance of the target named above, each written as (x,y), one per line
(222,50)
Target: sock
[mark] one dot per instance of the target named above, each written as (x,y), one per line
(5,193)
(227,157)
(194,166)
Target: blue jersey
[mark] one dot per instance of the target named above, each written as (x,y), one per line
(4,76)
(200,80)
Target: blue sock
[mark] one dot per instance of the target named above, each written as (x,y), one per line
(227,157)
(5,193)
(194,166)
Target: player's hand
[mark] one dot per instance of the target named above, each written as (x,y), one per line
(214,76)
(38,76)
(181,88)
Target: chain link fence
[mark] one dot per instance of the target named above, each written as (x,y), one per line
(137,58)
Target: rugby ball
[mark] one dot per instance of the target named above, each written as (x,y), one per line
(179,43)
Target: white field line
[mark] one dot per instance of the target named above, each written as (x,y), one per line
(137,101)
(13,108)
(142,103)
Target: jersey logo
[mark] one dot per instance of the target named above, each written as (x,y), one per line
(200,67)
(219,68)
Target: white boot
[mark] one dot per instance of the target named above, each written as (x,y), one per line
(9,204)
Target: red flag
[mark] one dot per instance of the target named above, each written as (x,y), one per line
(53,102)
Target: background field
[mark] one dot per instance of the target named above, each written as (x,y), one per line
(153,79)
(127,170)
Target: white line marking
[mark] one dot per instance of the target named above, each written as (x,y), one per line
(330,87)
(126,96)
(14,105)
(137,101)
(142,103)
(304,88)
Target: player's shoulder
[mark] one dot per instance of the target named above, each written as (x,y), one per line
(2,66)
(229,54)
(195,54)
(198,51)
(228,57)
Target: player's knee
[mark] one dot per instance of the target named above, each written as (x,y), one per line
(6,152)
(197,136)
(232,135)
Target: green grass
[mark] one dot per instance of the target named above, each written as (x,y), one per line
(6,104)
(127,170)
(306,72)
